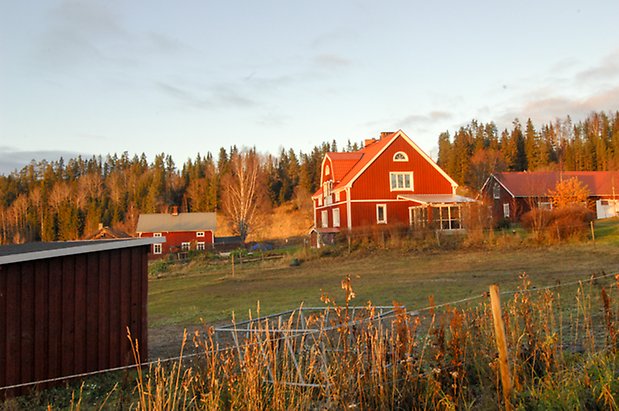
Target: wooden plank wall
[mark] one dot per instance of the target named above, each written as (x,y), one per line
(69,315)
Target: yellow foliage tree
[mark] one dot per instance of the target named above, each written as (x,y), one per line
(569,192)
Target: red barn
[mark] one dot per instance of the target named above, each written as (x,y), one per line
(182,231)
(389,182)
(511,194)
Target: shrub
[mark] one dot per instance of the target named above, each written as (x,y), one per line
(560,223)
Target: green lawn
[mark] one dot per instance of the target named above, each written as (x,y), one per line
(197,290)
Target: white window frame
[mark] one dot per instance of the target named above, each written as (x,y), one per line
(157,248)
(400,160)
(505,210)
(384,208)
(200,246)
(337,197)
(156,234)
(449,223)
(496,191)
(319,201)
(200,234)
(336,217)
(327,170)
(396,174)
(324,219)
(418,217)
(185,246)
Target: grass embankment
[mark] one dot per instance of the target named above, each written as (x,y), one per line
(200,290)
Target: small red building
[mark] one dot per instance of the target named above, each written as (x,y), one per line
(182,231)
(511,194)
(65,308)
(389,182)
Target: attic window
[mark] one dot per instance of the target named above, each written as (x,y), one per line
(327,170)
(400,156)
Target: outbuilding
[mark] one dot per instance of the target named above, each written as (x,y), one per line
(65,308)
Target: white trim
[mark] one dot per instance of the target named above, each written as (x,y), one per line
(185,243)
(403,160)
(384,207)
(348,209)
(324,222)
(96,245)
(156,234)
(406,138)
(378,200)
(492,176)
(322,167)
(403,173)
(201,246)
(330,205)
(506,211)
(200,234)
(155,246)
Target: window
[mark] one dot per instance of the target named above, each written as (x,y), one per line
(400,156)
(496,191)
(327,170)
(545,205)
(324,217)
(201,246)
(506,210)
(337,197)
(185,246)
(157,235)
(200,234)
(156,248)
(448,217)
(401,181)
(319,201)
(336,217)
(418,217)
(381,213)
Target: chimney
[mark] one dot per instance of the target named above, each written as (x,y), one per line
(385,134)
(369,141)
(174,210)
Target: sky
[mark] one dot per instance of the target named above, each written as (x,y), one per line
(187,77)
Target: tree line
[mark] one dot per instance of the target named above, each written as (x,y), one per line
(477,149)
(67,200)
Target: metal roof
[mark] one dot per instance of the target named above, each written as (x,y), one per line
(436,198)
(539,183)
(160,223)
(39,250)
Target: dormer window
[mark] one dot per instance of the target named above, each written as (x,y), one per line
(327,170)
(400,156)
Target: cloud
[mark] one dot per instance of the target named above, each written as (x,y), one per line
(608,69)
(12,159)
(331,61)
(430,117)
(221,95)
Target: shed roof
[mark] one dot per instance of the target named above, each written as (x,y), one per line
(39,250)
(158,223)
(539,183)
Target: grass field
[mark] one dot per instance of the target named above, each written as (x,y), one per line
(197,290)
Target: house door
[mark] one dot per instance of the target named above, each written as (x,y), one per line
(418,217)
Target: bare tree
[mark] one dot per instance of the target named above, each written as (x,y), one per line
(244,193)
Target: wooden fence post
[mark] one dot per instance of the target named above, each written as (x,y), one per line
(349,242)
(592,233)
(232,258)
(501,343)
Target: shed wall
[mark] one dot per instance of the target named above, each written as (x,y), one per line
(69,315)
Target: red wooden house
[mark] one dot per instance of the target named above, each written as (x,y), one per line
(511,194)
(389,182)
(182,231)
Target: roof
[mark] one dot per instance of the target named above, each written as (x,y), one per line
(107,232)
(436,198)
(539,183)
(355,163)
(38,250)
(158,223)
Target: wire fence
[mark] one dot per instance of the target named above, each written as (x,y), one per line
(276,335)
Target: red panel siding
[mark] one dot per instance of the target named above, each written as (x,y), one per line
(374,183)
(364,214)
(175,239)
(66,315)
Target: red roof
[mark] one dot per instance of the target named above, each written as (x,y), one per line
(342,163)
(538,183)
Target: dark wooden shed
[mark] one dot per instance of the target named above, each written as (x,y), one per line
(65,307)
